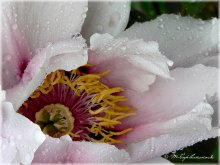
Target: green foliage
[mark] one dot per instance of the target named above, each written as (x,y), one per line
(144,11)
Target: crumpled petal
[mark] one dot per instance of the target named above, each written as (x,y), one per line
(184,40)
(106,17)
(133,64)
(66,55)
(64,150)
(167,99)
(20,138)
(175,134)
(28,26)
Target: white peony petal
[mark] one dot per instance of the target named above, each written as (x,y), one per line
(7,151)
(175,134)
(64,150)
(106,17)
(66,55)
(157,161)
(15,54)
(43,22)
(20,137)
(184,40)
(168,99)
(133,64)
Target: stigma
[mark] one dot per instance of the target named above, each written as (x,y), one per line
(78,104)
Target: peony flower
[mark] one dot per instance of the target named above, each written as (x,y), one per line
(112,101)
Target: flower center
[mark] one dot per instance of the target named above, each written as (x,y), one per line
(77,103)
(55,120)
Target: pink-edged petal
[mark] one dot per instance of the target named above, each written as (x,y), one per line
(15,54)
(184,40)
(106,17)
(63,150)
(176,134)
(24,33)
(167,99)
(19,136)
(66,55)
(133,64)
(46,21)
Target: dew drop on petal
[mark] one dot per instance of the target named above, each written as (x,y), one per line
(161,26)
(100,28)
(200,28)
(161,19)
(190,38)
(123,48)
(178,27)
(15,26)
(114,19)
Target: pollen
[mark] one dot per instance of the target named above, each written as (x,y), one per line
(78,104)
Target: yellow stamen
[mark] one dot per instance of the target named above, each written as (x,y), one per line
(104,102)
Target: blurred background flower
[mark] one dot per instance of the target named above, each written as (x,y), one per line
(205,151)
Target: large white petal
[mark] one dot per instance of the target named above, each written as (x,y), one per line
(176,134)
(64,150)
(20,138)
(184,40)
(168,99)
(157,161)
(43,22)
(66,55)
(133,64)
(106,17)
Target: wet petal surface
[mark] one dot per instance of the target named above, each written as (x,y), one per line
(184,40)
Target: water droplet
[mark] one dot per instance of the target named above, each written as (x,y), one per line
(178,27)
(190,38)
(173,38)
(164,33)
(8,57)
(161,19)
(48,22)
(123,48)
(56,19)
(114,19)
(61,11)
(200,28)
(15,26)
(100,28)
(170,63)
(187,28)
(206,53)
(84,15)
(161,26)
(109,48)
(177,17)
